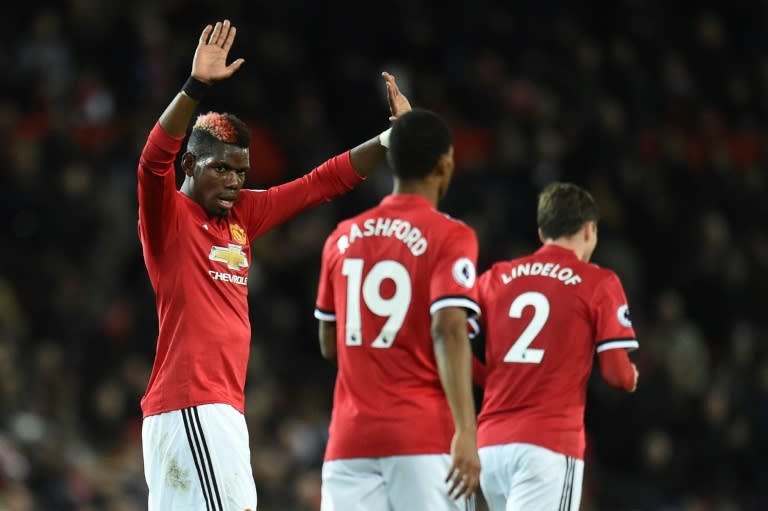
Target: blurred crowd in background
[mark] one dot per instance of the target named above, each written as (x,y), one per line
(659,109)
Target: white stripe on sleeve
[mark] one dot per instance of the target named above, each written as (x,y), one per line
(454,301)
(324,316)
(630,344)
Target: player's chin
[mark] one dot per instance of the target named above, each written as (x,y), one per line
(217,211)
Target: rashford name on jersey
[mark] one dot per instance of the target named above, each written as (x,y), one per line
(565,275)
(400,229)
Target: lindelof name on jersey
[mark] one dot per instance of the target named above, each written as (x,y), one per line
(565,275)
(402,230)
(234,257)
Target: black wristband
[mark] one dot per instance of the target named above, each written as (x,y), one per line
(195,89)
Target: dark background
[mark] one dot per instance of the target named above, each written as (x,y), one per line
(658,109)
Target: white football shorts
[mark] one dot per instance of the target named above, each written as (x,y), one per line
(198,459)
(391,483)
(531,478)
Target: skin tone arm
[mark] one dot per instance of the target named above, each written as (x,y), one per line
(327,335)
(209,65)
(453,355)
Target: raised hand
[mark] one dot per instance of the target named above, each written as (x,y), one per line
(210,62)
(398,103)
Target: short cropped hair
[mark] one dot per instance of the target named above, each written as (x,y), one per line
(418,139)
(215,128)
(563,209)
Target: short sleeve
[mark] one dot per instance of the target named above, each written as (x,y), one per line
(613,326)
(453,280)
(483,292)
(325,309)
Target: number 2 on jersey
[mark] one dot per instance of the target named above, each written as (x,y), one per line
(393,308)
(520,352)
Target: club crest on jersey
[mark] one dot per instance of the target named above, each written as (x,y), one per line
(464,272)
(622,314)
(238,233)
(232,255)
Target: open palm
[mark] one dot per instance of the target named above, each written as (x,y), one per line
(210,62)
(398,103)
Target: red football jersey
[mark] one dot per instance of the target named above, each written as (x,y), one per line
(383,274)
(544,317)
(198,267)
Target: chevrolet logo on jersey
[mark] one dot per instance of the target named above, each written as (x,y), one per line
(233,255)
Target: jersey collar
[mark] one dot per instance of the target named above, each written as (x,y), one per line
(406,199)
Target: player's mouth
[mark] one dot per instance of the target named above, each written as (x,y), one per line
(226,202)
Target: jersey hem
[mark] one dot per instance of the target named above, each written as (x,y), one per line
(454,301)
(540,446)
(324,316)
(612,344)
(162,410)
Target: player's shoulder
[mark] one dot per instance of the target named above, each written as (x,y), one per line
(249,196)
(600,273)
(249,193)
(453,221)
(450,225)
(498,268)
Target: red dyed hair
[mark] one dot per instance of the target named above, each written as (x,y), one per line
(218,126)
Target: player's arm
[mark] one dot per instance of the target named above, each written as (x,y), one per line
(332,178)
(453,355)
(327,334)
(209,65)
(324,305)
(615,334)
(617,370)
(156,179)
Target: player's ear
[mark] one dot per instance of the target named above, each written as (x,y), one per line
(188,161)
(589,230)
(444,167)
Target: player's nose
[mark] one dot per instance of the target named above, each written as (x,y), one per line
(233,179)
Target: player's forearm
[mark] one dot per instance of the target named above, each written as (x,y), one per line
(175,119)
(367,156)
(453,356)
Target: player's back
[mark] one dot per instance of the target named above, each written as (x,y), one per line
(539,316)
(387,268)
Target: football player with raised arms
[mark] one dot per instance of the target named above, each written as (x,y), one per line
(196,247)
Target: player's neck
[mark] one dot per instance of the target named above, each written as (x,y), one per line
(572,245)
(417,188)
